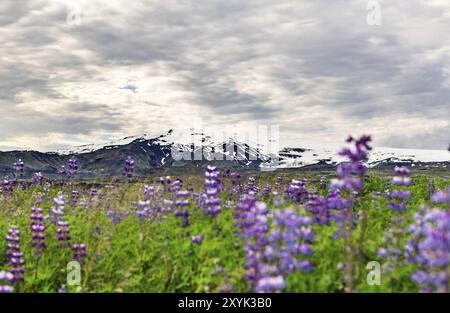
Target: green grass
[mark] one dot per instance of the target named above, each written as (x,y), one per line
(158,256)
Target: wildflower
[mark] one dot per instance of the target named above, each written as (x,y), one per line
(128,168)
(197,239)
(62,289)
(7,187)
(79,252)
(14,257)
(266,191)
(38,178)
(442,196)
(58,209)
(296,191)
(6,278)
(323,182)
(62,172)
(430,249)
(63,231)
(18,168)
(37,230)
(398,197)
(213,188)
(73,168)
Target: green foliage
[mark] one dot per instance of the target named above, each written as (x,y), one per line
(158,256)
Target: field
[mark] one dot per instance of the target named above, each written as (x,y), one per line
(222,232)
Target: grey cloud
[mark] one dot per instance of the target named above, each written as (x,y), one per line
(321,51)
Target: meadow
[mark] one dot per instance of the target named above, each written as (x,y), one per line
(222,231)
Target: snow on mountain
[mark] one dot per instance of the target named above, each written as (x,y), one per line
(200,144)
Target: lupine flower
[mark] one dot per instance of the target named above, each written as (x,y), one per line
(184,214)
(62,172)
(79,252)
(236,185)
(442,196)
(430,249)
(398,197)
(117,216)
(213,188)
(73,168)
(176,185)
(128,168)
(251,186)
(75,195)
(197,239)
(63,231)
(7,187)
(318,206)
(14,257)
(93,193)
(6,280)
(431,188)
(241,210)
(62,289)
(58,209)
(37,230)
(149,192)
(266,191)
(38,178)
(278,183)
(296,191)
(18,168)
(323,182)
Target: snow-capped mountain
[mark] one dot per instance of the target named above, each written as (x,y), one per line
(198,148)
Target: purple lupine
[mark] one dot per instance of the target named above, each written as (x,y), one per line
(236,185)
(255,234)
(181,203)
(63,233)
(165,182)
(184,214)
(62,289)
(73,168)
(241,210)
(291,240)
(431,189)
(62,172)
(267,190)
(93,193)
(176,185)
(318,206)
(75,196)
(38,178)
(197,239)
(37,230)
(430,249)
(117,216)
(323,182)
(128,168)
(79,252)
(213,189)
(442,197)
(58,209)
(149,192)
(278,183)
(14,257)
(18,168)
(251,186)
(296,191)
(6,280)
(7,187)
(398,197)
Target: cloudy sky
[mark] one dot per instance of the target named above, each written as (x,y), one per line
(71,75)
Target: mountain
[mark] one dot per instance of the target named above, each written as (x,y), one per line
(164,151)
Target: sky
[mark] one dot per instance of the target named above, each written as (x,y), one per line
(319,69)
